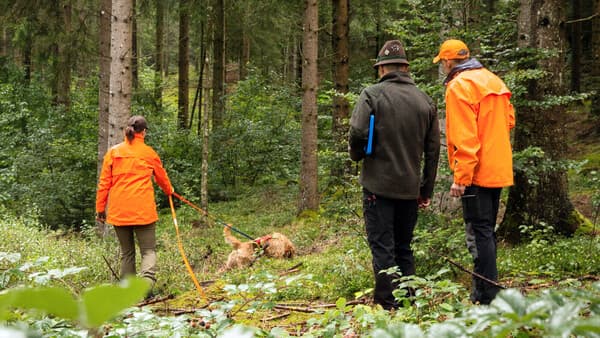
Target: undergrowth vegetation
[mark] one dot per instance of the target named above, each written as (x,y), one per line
(323,292)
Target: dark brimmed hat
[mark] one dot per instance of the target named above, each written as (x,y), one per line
(391,52)
(138,123)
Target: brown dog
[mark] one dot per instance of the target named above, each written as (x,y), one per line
(244,254)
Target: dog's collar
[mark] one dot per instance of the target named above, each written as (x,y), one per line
(262,240)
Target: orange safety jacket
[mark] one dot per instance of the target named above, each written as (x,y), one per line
(125,183)
(479,117)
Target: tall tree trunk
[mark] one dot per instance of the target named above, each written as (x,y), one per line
(547,202)
(3,41)
(184,64)
(104,80)
(198,97)
(576,46)
(103,92)
(245,57)
(218,62)
(134,48)
(341,106)
(205,125)
(27,50)
(158,62)
(309,195)
(595,75)
(63,54)
(120,70)
(378,33)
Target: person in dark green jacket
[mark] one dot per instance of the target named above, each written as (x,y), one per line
(398,175)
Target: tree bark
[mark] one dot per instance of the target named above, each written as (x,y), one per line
(540,26)
(184,63)
(159,58)
(245,57)
(27,50)
(309,195)
(120,70)
(205,146)
(218,62)
(103,92)
(63,55)
(576,47)
(104,80)
(595,69)
(341,107)
(134,48)
(3,41)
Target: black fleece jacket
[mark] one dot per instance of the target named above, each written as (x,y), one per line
(406,137)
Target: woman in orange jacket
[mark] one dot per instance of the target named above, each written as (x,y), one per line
(479,117)
(125,197)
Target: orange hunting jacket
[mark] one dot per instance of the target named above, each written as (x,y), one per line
(125,183)
(479,117)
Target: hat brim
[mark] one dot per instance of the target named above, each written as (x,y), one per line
(436,59)
(387,62)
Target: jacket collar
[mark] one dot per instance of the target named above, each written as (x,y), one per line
(471,64)
(399,77)
(137,137)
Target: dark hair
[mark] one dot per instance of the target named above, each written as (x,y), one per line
(136,124)
(395,67)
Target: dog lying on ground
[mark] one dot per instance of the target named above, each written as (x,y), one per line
(275,245)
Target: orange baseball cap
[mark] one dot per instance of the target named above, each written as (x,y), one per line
(452,49)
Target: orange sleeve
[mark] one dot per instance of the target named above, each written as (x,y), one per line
(511,115)
(461,133)
(160,175)
(104,183)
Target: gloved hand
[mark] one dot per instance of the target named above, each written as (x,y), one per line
(101,216)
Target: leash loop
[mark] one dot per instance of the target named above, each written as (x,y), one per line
(182,252)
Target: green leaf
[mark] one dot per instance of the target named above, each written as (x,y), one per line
(54,301)
(340,303)
(447,307)
(104,302)
(510,301)
(399,331)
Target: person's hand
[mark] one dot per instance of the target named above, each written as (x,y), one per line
(423,202)
(457,190)
(101,217)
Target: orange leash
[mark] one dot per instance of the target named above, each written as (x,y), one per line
(190,204)
(205,213)
(180,245)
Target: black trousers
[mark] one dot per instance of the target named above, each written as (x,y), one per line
(389,225)
(480,208)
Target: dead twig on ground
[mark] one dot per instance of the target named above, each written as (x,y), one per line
(156,300)
(314,308)
(279,316)
(111,269)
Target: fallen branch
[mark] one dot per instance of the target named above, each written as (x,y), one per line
(288,272)
(156,300)
(294,308)
(283,315)
(589,277)
(472,273)
(111,269)
(314,308)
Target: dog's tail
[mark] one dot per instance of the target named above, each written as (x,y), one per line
(230,239)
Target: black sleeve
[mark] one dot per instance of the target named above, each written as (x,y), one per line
(432,154)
